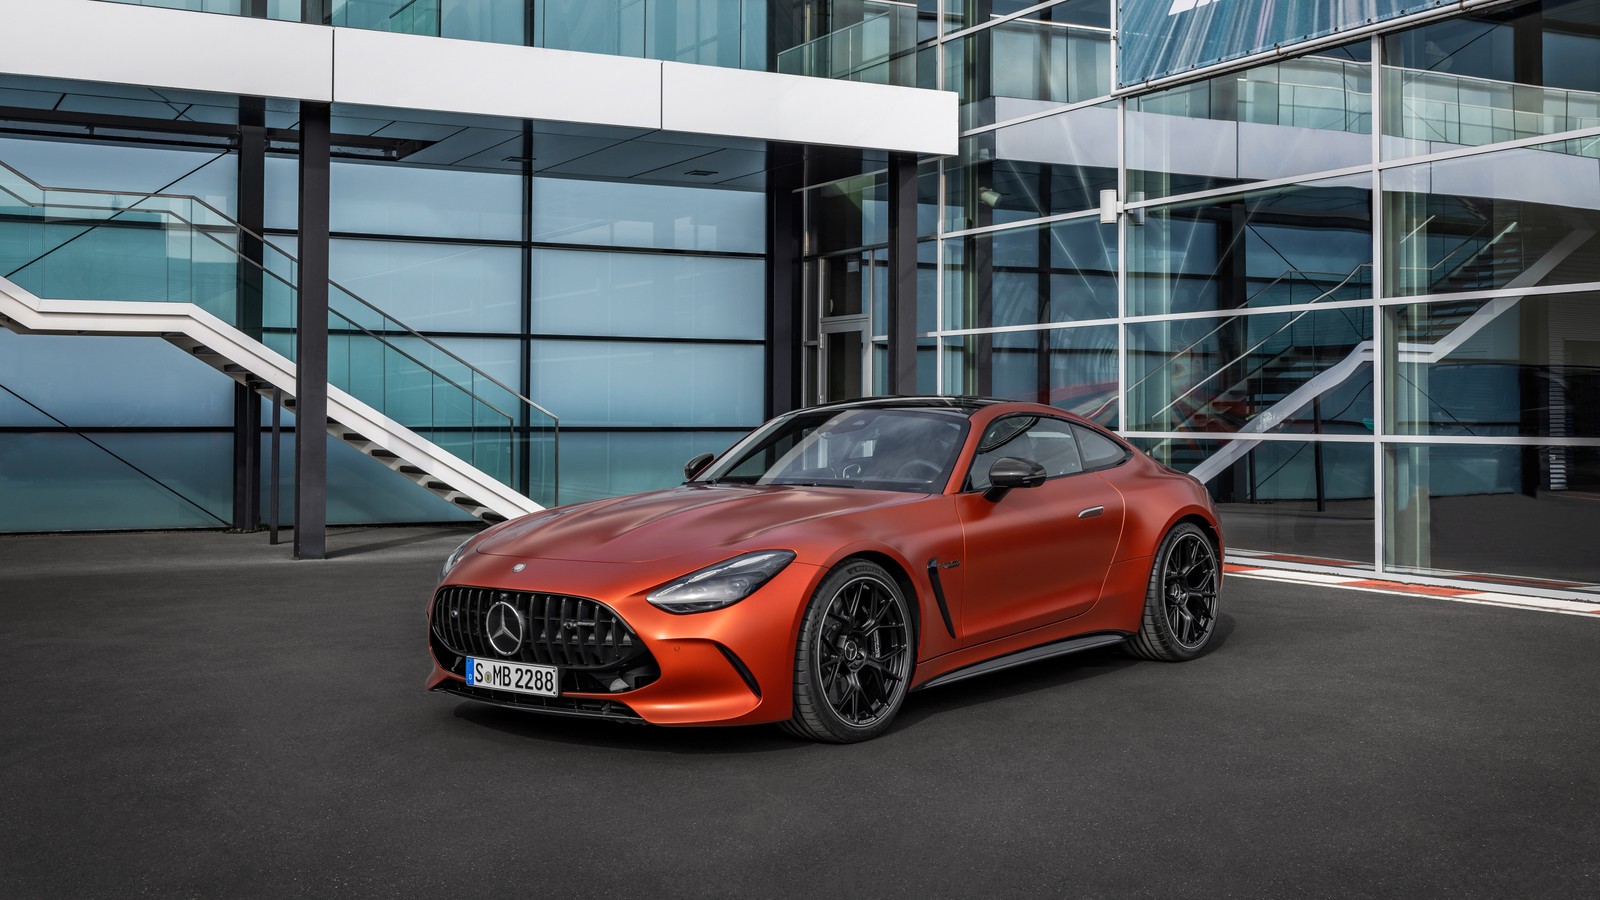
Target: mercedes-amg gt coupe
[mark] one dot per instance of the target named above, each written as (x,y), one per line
(829,563)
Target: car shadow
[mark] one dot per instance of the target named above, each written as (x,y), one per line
(1043,675)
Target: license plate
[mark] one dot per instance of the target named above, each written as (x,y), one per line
(510,676)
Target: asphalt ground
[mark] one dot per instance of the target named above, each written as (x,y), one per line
(195,715)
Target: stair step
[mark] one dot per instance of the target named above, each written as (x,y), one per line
(437,486)
(410,470)
(465,501)
(493,518)
(202,350)
(289,402)
(234,369)
(350,436)
(380,453)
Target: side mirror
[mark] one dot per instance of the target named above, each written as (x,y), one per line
(695,466)
(1010,472)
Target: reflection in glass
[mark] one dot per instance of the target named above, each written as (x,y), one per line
(1044,167)
(1309,371)
(1309,114)
(1525,514)
(1508,219)
(1299,500)
(1036,274)
(1507,366)
(1486,78)
(1074,369)
(1026,65)
(1305,243)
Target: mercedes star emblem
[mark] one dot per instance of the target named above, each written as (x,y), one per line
(503,625)
(519,567)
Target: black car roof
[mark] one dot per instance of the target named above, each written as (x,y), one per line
(967,405)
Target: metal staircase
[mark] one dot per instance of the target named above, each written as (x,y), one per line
(1294,378)
(78,261)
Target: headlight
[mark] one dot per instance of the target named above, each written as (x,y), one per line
(454,557)
(723,584)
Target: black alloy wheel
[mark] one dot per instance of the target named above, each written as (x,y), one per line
(854,658)
(1180,611)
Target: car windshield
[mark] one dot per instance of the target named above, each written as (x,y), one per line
(875,449)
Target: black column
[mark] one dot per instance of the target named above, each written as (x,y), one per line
(311,371)
(785,305)
(902,325)
(246,402)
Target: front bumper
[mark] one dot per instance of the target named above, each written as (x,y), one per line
(730,666)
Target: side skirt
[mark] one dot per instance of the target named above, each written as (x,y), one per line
(1022,657)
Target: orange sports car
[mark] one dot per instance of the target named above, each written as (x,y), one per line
(829,563)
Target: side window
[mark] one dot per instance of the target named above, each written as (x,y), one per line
(1048,442)
(1098,451)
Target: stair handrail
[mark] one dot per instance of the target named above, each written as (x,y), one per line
(284,281)
(235,224)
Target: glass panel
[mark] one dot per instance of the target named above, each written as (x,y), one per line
(1525,514)
(644,383)
(1298,244)
(391,199)
(647,295)
(1309,371)
(1035,274)
(616,214)
(434,287)
(361,490)
(596,464)
(1483,79)
(1069,368)
(959,14)
(1509,219)
(62,482)
(105,381)
(1510,366)
(1057,164)
(1294,117)
(1027,65)
(847,214)
(1302,501)
(879,48)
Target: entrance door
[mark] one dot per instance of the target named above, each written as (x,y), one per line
(844,369)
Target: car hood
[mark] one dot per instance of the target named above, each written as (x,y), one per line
(678,521)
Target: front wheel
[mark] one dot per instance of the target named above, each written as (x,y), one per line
(853,660)
(1180,609)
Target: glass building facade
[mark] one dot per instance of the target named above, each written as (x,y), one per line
(1352,288)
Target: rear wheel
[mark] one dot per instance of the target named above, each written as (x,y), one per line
(1180,609)
(853,660)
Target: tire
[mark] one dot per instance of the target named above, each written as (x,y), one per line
(853,660)
(1180,607)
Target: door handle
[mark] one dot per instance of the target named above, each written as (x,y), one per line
(1091,512)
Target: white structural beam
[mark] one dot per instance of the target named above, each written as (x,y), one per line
(739,103)
(408,71)
(125,44)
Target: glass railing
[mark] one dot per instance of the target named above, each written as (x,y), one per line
(880,49)
(1462,110)
(74,244)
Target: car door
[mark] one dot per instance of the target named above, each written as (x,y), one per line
(1034,555)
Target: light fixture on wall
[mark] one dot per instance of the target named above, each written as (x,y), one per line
(988,196)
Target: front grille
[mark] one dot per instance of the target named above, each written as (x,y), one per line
(570,632)
(594,649)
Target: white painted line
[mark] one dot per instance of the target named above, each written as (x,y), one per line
(1527,603)
(1314,577)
